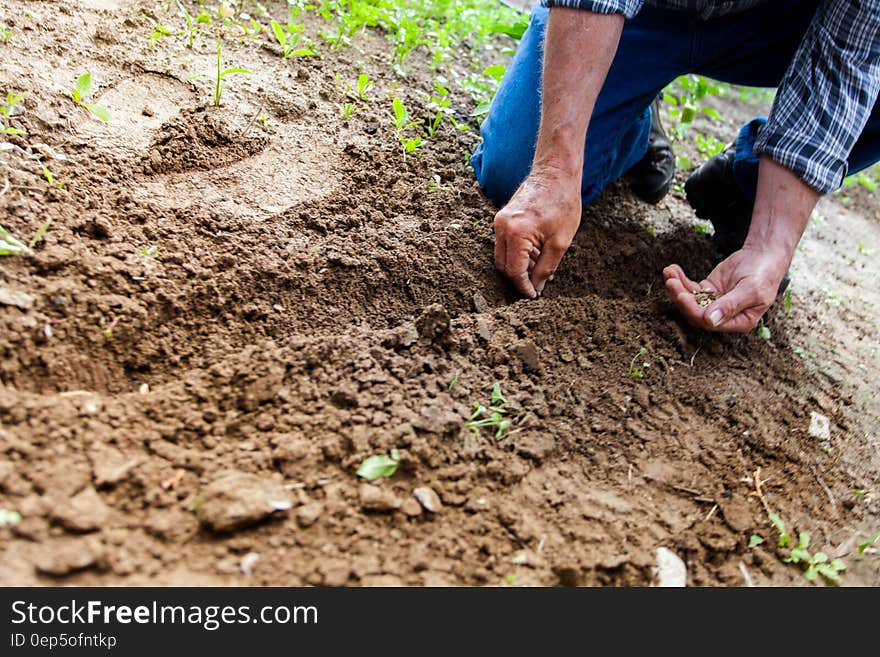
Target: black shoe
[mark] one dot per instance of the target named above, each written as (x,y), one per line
(714,195)
(651,178)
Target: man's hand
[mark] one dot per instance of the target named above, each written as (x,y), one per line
(746,284)
(537,225)
(535,229)
(748,280)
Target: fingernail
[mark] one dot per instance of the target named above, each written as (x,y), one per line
(716,316)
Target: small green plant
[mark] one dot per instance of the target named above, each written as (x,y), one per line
(761,330)
(787,302)
(873,538)
(400,117)
(222,73)
(9,245)
(755,540)
(816,564)
(453,382)
(703,228)
(494,416)
(347,110)
(288,38)
(82,91)
(364,85)
(685,95)
(190,24)
(40,234)
(638,371)
(8,110)
(803,353)
(379,465)
(6,33)
(159,31)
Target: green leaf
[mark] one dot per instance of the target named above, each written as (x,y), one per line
(9,245)
(711,111)
(784,539)
(302,52)
(838,565)
(803,540)
(828,573)
(400,113)
(811,573)
(496,71)
(755,540)
(230,71)
(279,33)
(797,555)
(497,396)
(40,234)
(873,538)
(688,112)
(820,557)
(378,466)
(482,109)
(100,112)
(83,87)
(14,131)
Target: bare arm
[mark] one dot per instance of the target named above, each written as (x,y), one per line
(534,230)
(749,278)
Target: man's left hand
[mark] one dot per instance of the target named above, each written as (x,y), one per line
(746,284)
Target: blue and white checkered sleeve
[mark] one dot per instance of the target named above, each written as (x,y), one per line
(827,94)
(628,8)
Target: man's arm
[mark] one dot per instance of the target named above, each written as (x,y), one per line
(821,108)
(536,227)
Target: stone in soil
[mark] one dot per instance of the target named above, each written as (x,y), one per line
(308,514)
(84,512)
(428,499)
(238,499)
(433,323)
(65,556)
(374,498)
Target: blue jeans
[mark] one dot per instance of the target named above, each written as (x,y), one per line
(750,48)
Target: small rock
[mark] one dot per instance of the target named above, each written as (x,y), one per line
(237,499)
(21,300)
(374,498)
(433,323)
(84,512)
(248,563)
(90,406)
(483,330)
(670,569)
(66,556)
(110,466)
(410,507)
(172,525)
(480,303)
(436,418)
(144,389)
(308,514)
(428,499)
(527,352)
(820,426)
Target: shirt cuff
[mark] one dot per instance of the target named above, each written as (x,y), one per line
(628,8)
(804,155)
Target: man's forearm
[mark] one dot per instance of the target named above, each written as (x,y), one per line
(579,47)
(783,204)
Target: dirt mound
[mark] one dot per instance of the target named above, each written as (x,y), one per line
(201,139)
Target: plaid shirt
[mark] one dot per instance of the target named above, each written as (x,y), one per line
(827,93)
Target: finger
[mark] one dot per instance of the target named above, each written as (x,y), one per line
(500,250)
(516,267)
(738,310)
(551,256)
(685,301)
(677,273)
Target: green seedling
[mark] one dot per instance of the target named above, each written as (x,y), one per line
(50,178)
(494,416)
(755,540)
(40,234)
(703,228)
(222,73)
(816,564)
(761,330)
(400,117)
(347,110)
(9,245)
(787,302)
(862,250)
(159,31)
(873,538)
(453,382)
(6,33)
(8,517)
(9,110)
(190,24)
(638,371)
(364,85)
(379,465)
(288,38)
(803,353)
(83,90)
(150,251)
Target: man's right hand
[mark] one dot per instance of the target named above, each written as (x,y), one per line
(534,230)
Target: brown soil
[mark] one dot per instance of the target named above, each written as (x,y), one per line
(229,317)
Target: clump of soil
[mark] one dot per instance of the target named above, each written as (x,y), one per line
(202,139)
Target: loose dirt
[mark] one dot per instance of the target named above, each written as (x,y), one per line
(227,317)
